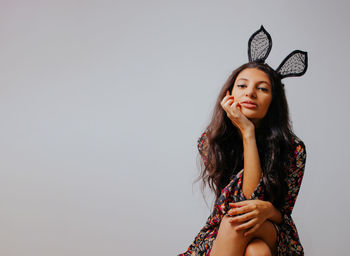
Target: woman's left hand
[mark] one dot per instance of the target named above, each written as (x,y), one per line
(253,213)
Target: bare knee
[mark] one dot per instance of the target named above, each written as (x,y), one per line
(257,247)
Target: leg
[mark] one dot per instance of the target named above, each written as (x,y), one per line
(267,234)
(257,247)
(230,242)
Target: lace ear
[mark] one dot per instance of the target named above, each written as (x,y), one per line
(295,64)
(259,45)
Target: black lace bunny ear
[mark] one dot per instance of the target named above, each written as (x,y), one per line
(259,45)
(295,64)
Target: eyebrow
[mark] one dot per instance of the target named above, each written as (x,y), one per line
(259,82)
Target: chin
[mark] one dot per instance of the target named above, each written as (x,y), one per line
(253,118)
(251,114)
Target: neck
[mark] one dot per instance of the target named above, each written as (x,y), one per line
(256,122)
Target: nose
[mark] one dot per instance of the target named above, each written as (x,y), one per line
(250,92)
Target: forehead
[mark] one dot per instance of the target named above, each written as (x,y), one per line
(253,74)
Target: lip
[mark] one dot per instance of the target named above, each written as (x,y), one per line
(249,104)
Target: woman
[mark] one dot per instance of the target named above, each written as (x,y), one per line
(252,160)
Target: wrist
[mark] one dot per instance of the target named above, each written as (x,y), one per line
(274,214)
(270,211)
(248,133)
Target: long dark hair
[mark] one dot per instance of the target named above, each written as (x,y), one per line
(274,137)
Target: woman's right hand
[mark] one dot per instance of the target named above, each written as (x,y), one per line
(233,111)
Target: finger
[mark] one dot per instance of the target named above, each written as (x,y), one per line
(235,205)
(252,230)
(232,108)
(239,106)
(236,105)
(228,93)
(222,103)
(229,102)
(240,203)
(227,105)
(240,210)
(246,225)
(226,98)
(243,203)
(242,218)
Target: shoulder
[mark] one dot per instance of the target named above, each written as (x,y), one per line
(298,145)
(202,142)
(203,139)
(297,141)
(298,153)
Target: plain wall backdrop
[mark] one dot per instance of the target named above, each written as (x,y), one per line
(102,103)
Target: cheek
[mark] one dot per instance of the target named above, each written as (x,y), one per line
(236,95)
(267,104)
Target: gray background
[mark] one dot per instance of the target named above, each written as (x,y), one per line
(102,102)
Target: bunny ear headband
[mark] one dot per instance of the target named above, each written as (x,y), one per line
(259,47)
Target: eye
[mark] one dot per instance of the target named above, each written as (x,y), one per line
(263,89)
(241,85)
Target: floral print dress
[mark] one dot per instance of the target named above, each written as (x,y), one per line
(288,242)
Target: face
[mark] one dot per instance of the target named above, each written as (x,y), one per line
(252,90)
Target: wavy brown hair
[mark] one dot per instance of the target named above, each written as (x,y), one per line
(274,135)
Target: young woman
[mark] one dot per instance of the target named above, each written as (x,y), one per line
(252,161)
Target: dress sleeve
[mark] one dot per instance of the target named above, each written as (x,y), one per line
(288,242)
(202,145)
(295,176)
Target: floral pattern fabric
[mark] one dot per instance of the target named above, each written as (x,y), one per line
(288,242)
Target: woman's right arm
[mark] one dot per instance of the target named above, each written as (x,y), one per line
(252,168)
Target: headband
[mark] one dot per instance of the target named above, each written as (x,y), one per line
(259,47)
